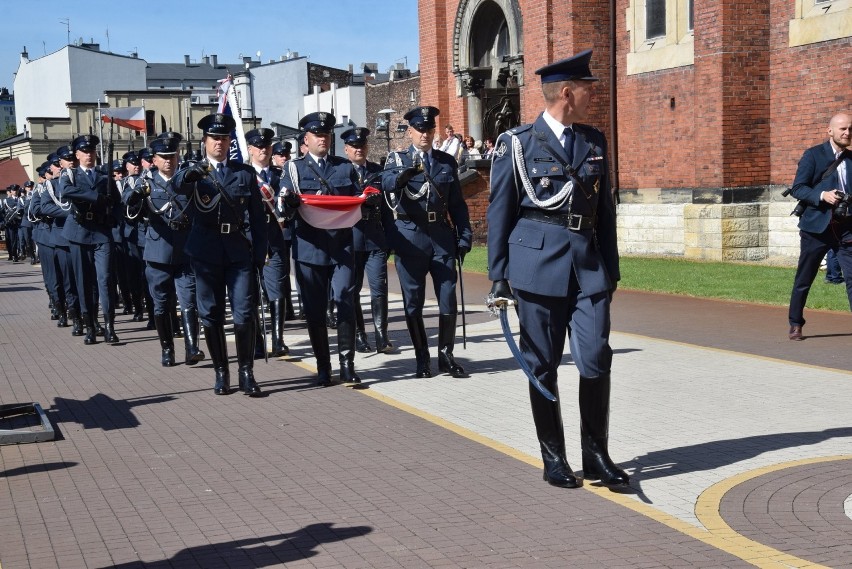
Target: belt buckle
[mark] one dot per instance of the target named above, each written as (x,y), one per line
(431,216)
(225,228)
(571,218)
(90,216)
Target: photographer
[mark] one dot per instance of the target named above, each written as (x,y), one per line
(823,184)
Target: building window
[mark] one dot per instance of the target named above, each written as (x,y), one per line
(655,18)
(661,35)
(820,20)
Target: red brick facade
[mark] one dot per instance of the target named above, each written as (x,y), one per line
(739,117)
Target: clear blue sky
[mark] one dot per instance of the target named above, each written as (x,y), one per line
(329,32)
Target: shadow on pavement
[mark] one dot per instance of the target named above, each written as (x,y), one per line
(36,468)
(714,454)
(102,411)
(256,552)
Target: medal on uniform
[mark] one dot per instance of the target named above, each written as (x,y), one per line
(535,170)
(545,182)
(205,199)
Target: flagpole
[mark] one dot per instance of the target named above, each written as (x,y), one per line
(101,129)
(144,130)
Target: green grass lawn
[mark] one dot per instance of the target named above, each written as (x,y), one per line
(732,281)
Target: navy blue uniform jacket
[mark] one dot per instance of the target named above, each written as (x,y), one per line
(539,257)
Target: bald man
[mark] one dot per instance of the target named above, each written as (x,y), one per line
(823,185)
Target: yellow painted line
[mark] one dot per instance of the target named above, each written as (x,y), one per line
(718,534)
(708,504)
(735,353)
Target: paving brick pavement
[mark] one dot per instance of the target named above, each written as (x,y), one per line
(153,470)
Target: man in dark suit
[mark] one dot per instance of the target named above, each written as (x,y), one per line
(822,185)
(324,258)
(428,227)
(552,239)
(95,203)
(227,247)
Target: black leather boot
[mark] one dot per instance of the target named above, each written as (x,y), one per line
(109,329)
(346,352)
(319,343)
(244,335)
(138,308)
(547,416)
(90,336)
(62,322)
(330,316)
(361,342)
(189,322)
(76,322)
(594,433)
(167,339)
(259,343)
(290,313)
(177,328)
(54,310)
(218,348)
(379,307)
(277,315)
(446,341)
(420,341)
(99,330)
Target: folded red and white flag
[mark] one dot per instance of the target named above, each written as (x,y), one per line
(333,212)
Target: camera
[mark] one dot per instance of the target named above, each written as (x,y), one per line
(841,210)
(800,205)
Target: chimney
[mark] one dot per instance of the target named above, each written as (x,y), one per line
(246,59)
(24,55)
(213,60)
(186,60)
(206,59)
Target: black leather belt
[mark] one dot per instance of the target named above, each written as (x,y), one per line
(573,221)
(90,216)
(431,217)
(223,228)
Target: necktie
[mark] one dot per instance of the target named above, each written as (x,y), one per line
(321,163)
(569,144)
(91,175)
(427,163)
(264,175)
(220,171)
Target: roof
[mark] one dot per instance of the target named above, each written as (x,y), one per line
(11,172)
(201,72)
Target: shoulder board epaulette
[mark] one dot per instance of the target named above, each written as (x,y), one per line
(520,129)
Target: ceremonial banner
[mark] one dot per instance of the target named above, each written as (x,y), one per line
(228,105)
(128,117)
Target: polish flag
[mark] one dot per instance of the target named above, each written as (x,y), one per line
(129,117)
(333,212)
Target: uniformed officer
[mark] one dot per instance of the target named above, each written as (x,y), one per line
(227,247)
(277,266)
(12,214)
(58,210)
(552,239)
(428,227)
(168,273)
(132,243)
(41,230)
(324,257)
(281,152)
(95,201)
(25,231)
(371,248)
